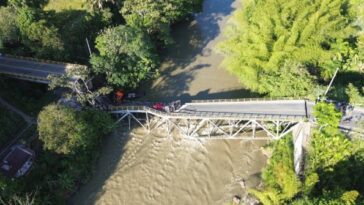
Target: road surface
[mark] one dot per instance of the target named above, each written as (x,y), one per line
(30,70)
(281,107)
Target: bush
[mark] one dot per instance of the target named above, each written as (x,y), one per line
(280,181)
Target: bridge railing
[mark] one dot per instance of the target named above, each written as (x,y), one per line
(24,76)
(202,115)
(39,60)
(248,100)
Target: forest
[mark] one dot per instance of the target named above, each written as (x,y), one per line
(293,48)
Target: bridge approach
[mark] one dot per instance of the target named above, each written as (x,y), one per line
(32,69)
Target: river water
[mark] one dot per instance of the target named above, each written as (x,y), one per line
(191,68)
(137,168)
(140,168)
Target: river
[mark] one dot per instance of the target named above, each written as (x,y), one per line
(140,168)
(191,68)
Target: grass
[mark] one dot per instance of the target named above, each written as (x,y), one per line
(26,96)
(59,5)
(11,124)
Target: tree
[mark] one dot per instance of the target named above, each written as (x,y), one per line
(264,34)
(327,115)
(354,94)
(9,32)
(30,3)
(292,80)
(100,4)
(280,181)
(38,36)
(125,56)
(65,130)
(78,79)
(155,17)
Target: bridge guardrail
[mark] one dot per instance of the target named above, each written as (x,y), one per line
(247,99)
(40,60)
(218,115)
(19,75)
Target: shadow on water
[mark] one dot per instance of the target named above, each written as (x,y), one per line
(112,151)
(191,60)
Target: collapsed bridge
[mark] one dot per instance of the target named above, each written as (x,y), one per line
(228,119)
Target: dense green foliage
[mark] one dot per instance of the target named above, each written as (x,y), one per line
(71,140)
(354,95)
(9,32)
(65,130)
(29,30)
(333,172)
(125,56)
(318,35)
(156,17)
(280,180)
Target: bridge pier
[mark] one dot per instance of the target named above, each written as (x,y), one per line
(300,134)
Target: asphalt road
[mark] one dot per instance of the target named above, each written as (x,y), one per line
(30,68)
(296,107)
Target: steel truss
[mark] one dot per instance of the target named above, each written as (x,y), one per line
(205,127)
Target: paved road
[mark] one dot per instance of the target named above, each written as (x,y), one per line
(30,69)
(284,107)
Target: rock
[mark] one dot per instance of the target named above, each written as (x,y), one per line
(249,200)
(242,184)
(236,200)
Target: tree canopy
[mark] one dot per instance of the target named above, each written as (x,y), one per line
(9,32)
(126,56)
(264,34)
(65,130)
(155,17)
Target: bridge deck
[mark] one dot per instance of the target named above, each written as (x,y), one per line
(30,69)
(266,108)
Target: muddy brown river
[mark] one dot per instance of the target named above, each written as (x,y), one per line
(137,168)
(140,168)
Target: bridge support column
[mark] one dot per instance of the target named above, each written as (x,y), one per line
(301,134)
(254,126)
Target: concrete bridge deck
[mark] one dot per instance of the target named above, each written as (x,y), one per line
(31,69)
(299,108)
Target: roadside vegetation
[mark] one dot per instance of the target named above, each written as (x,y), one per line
(333,172)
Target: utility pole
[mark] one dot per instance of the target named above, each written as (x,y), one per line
(332,80)
(88,46)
